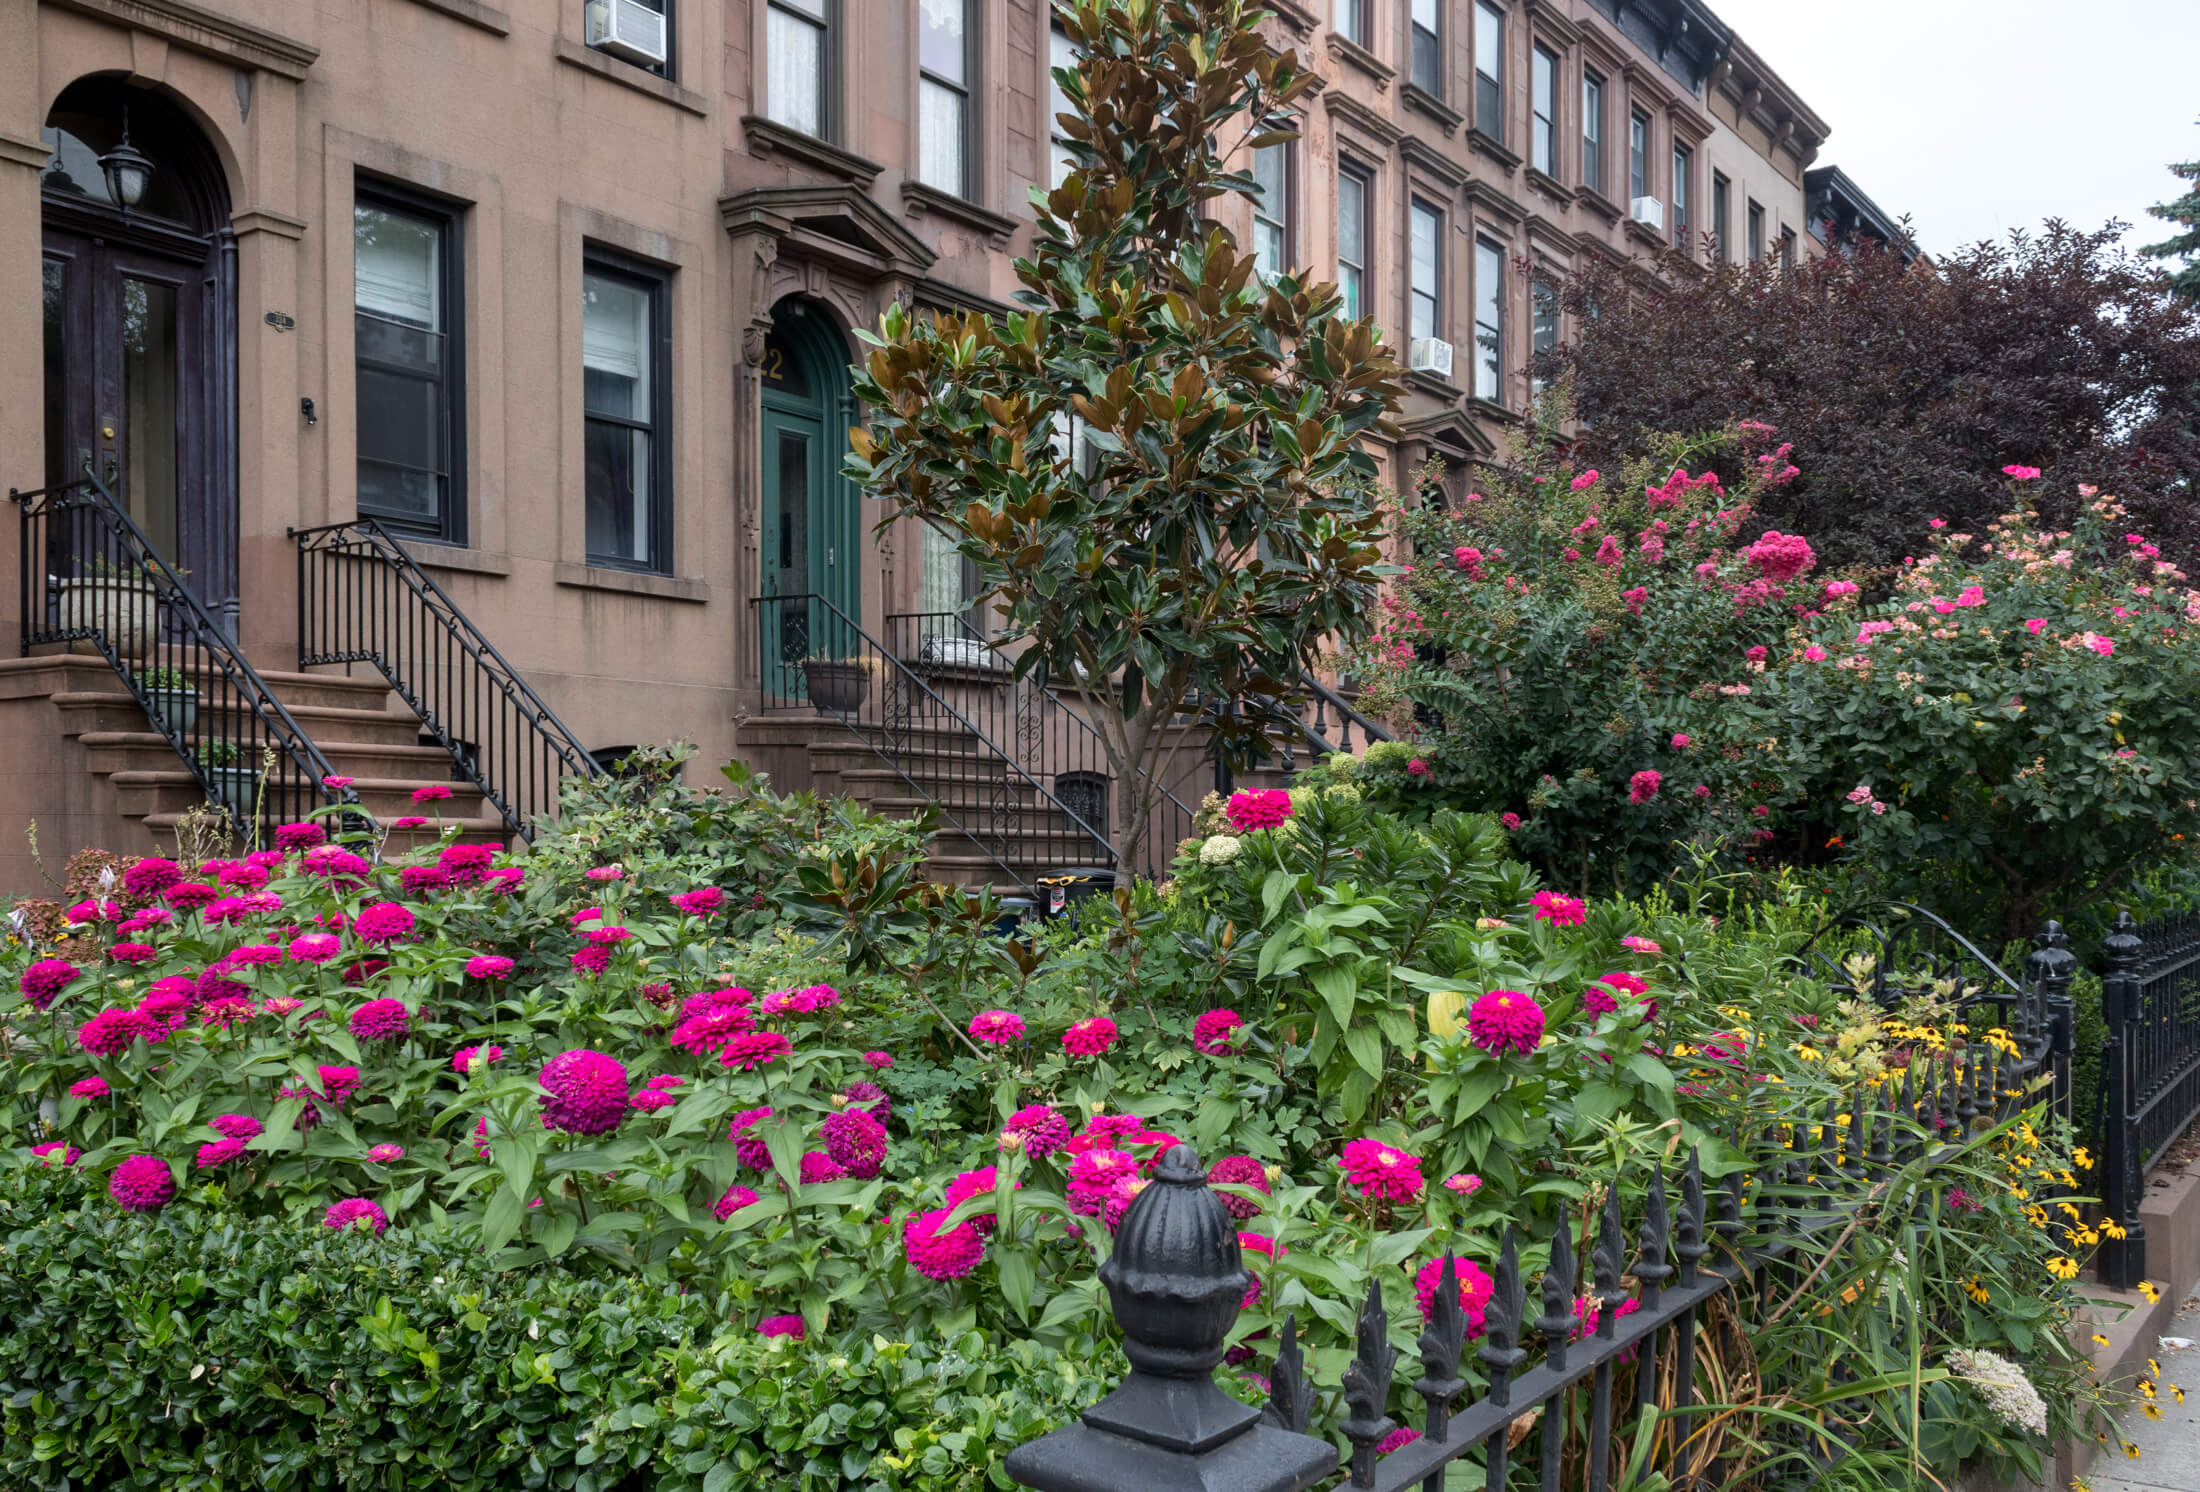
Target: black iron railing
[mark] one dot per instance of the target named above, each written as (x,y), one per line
(1175,1279)
(89,574)
(362,599)
(1050,739)
(1327,701)
(2150,1070)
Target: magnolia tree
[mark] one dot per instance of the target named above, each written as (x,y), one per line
(1568,641)
(1153,460)
(2022,715)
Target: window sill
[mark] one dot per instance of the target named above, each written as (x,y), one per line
(767,136)
(431,554)
(473,13)
(1420,99)
(1489,409)
(922,198)
(1345,49)
(1494,148)
(632,583)
(1298,17)
(1603,206)
(626,75)
(1430,384)
(1650,238)
(1549,186)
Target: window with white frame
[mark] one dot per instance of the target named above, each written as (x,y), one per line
(1722,205)
(1428,46)
(1355,198)
(408,389)
(1489,70)
(1489,321)
(1638,154)
(944,46)
(797,37)
(1424,318)
(1592,132)
(1061,56)
(1544,305)
(1272,208)
(1684,161)
(1355,21)
(1543,147)
(624,370)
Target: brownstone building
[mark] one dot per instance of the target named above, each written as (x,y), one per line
(561,293)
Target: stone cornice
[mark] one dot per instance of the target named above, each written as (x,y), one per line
(1552,21)
(1345,109)
(31,153)
(1418,152)
(200,30)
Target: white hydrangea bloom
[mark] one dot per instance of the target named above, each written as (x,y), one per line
(1344,792)
(1220,850)
(2002,1384)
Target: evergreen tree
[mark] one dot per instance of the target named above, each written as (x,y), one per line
(2185,212)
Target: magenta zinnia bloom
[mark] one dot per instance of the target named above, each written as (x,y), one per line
(133,953)
(1097,1175)
(780,1326)
(382,1155)
(940,1255)
(750,1050)
(1559,909)
(1475,1289)
(235,1126)
(870,1098)
(1089,1037)
(749,1147)
(584,1092)
(1624,982)
(1039,1129)
(384,922)
(354,1212)
(45,1152)
(219,1153)
(299,836)
(434,792)
(592,960)
(1240,1170)
(185,895)
(703,901)
(109,1033)
(386,1019)
(465,864)
(338,1083)
(316,948)
(1257,808)
(1643,786)
(89,1088)
(879,1060)
(732,1200)
(149,877)
(856,1141)
(982,1182)
(1598,1001)
(462,1060)
(42,981)
(1505,1020)
(142,1183)
(1381,1171)
(650,1100)
(1640,945)
(418,878)
(1215,1033)
(408,822)
(489,966)
(1463,1183)
(819,1168)
(996,1027)
(1397,1439)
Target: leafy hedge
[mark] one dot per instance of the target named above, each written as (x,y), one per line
(200,1349)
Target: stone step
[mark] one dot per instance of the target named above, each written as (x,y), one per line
(173,789)
(123,751)
(94,711)
(489,829)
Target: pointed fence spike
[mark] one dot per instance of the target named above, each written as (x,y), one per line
(1651,1242)
(1440,1345)
(1502,1352)
(1689,1246)
(1556,1324)
(1367,1386)
(1610,1250)
(1290,1395)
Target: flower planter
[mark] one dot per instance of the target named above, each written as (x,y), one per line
(175,709)
(125,612)
(836,688)
(234,788)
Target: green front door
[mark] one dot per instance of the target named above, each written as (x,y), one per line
(811,524)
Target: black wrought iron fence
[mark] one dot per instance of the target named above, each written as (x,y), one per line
(2150,1069)
(89,574)
(1176,1280)
(362,599)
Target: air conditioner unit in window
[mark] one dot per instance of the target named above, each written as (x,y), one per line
(1649,211)
(1430,355)
(628,29)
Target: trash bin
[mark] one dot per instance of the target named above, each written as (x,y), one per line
(1065,888)
(1015,911)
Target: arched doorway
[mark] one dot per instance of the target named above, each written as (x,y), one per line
(812,518)
(140,322)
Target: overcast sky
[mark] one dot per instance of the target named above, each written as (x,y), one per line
(1978,116)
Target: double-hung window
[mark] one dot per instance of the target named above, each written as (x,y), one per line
(1787,248)
(1683,159)
(1424,318)
(797,43)
(1756,232)
(625,366)
(1355,193)
(1272,209)
(1062,56)
(1722,205)
(1543,144)
(1592,132)
(943,95)
(1544,303)
(1354,21)
(1638,154)
(1489,70)
(1428,46)
(1489,321)
(410,392)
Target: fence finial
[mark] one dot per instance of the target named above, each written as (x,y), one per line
(1175,1282)
(1367,1386)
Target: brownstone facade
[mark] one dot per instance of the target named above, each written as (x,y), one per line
(572,318)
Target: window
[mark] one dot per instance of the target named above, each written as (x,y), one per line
(1756,233)
(1272,209)
(1592,132)
(1638,154)
(1543,144)
(1354,23)
(795,41)
(1428,46)
(624,368)
(1489,320)
(631,30)
(1354,196)
(943,95)
(1060,54)
(1489,70)
(1722,247)
(1425,319)
(1787,248)
(1544,300)
(410,390)
(1682,160)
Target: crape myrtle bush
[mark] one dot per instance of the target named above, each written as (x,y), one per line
(604,1098)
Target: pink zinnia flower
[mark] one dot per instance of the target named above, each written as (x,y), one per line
(780,1326)
(855,1141)
(1643,786)
(338,1083)
(753,1049)
(409,822)
(703,901)
(819,1168)
(592,960)
(1216,1033)
(1382,1172)
(43,980)
(1598,1002)
(220,1153)
(1397,1439)
(750,1148)
(1257,808)
(434,792)
(336,784)
(142,1183)
(584,1092)
(383,922)
(1680,741)
(732,1200)
(879,1060)
(982,1182)
(299,836)
(1464,1183)
(133,953)
(606,873)
(355,1212)
(381,1020)
(382,1155)
(1624,982)
(1506,1020)
(489,966)
(709,1030)
(1038,1130)
(184,896)
(109,1033)
(94,1087)
(1240,1170)
(939,1255)
(1640,945)
(235,1126)
(1559,909)
(1089,1037)
(2021,473)
(462,1060)
(45,1152)
(149,877)
(1475,1289)
(996,1027)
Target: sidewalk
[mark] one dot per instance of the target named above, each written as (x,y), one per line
(2169,1448)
